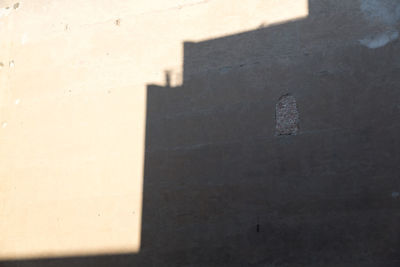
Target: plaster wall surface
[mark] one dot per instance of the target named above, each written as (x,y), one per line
(143,133)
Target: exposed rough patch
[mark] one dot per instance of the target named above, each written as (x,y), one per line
(287,116)
(379,40)
(4,125)
(11,64)
(383,12)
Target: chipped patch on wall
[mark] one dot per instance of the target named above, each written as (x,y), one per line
(4,12)
(287,116)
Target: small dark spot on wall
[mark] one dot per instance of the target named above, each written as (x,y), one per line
(1,65)
(16,6)
(66,27)
(287,116)
(118,22)
(167,78)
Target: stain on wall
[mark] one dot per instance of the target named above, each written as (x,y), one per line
(379,40)
(386,14)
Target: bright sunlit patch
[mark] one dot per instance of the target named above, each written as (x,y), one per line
(68,190)
(247,16)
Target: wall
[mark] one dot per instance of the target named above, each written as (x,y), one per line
(104,166)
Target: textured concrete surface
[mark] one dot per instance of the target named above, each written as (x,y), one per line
(286,116)
(220,188)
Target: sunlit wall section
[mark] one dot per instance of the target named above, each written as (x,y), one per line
(72,134)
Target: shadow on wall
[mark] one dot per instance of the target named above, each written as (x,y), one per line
(223,186)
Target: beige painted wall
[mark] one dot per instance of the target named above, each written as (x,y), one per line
(72,111)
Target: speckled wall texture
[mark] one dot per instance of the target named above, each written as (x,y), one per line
(200,133)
